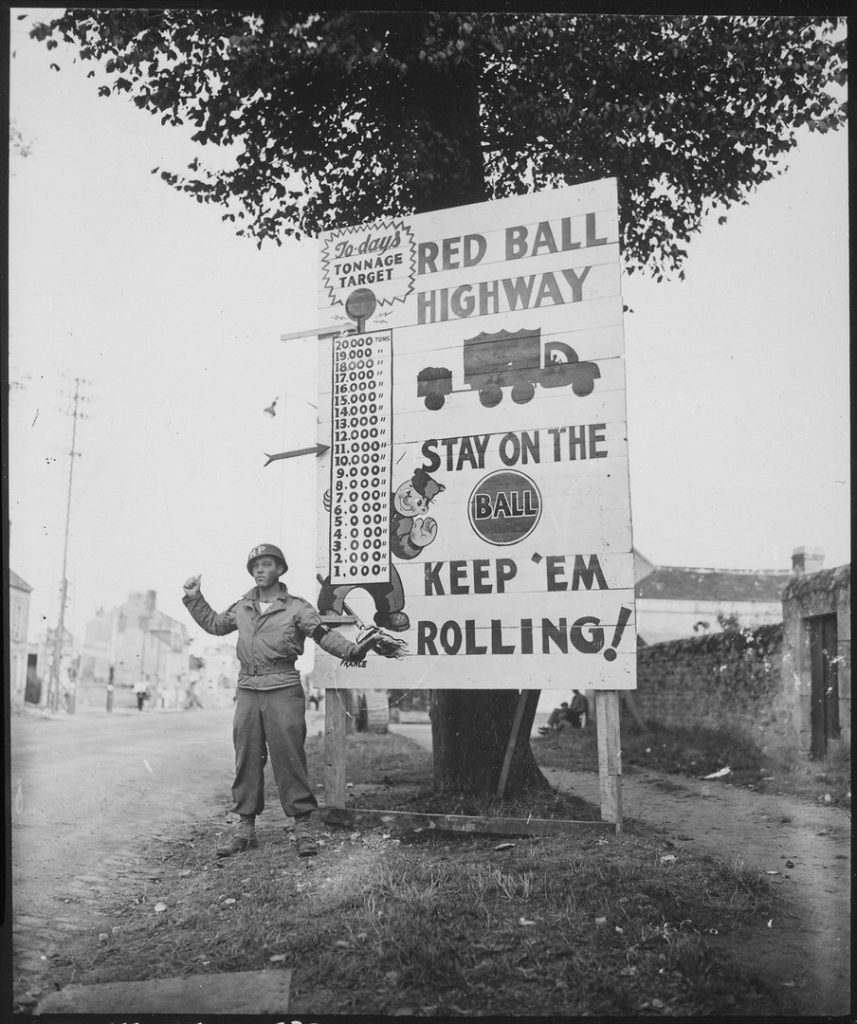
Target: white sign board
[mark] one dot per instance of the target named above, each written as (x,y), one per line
(477,478)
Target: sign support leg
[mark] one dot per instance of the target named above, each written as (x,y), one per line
(609,756)
(510,746)
(334,749)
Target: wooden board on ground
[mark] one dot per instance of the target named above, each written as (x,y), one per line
(412,820)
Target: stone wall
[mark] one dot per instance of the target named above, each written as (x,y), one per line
(720,680)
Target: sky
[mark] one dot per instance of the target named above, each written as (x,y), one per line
(738,376)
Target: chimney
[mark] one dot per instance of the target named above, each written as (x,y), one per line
(806,560)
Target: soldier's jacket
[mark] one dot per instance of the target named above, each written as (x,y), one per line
(270,641)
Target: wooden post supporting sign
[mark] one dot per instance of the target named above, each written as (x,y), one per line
(510,746)
(609,756)
(334,748)
(526,700)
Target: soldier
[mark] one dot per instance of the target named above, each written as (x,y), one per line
(269,718)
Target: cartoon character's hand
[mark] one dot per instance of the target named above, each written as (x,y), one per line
(381,642)
(325,500)
(423,532)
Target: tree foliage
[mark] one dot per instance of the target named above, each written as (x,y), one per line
(341,117)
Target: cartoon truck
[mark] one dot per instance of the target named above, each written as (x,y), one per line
(510,359)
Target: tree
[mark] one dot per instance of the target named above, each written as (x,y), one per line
(336,118)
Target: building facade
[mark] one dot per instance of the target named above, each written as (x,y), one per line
(816,666)
(19,624)
(218,675)
(138,642)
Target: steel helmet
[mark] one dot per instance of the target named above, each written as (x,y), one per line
(266,549)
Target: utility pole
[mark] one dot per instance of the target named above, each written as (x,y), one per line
(54,687)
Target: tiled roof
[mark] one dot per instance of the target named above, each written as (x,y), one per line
(672,583)
(16,582)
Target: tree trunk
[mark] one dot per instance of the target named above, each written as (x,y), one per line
(470,728)
(470,733)
(449,132)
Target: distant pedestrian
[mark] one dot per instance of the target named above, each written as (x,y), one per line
(110,689)
(269,718)
(68,684)
(140,692)
(192,697)
(579,710)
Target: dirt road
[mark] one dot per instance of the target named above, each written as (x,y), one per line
(805,849)
(88,792)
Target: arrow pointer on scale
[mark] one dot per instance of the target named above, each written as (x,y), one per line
(316,449)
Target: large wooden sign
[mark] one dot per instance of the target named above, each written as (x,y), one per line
(477,478)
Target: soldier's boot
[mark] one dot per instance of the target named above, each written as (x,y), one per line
(244,838)
(305,837)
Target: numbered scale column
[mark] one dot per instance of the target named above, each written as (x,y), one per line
(360,459)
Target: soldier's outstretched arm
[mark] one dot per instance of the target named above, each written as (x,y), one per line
(203,614)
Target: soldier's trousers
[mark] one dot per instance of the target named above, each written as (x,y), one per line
(271,723)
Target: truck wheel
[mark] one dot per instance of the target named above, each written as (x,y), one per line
(523,393)
(584,387)
(491,395)
(434,402)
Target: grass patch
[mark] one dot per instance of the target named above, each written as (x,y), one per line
(446,925)
(454,925)
(574,750)
(696,751)
(827,780)
(389,772)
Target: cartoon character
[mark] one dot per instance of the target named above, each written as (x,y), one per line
(411,530)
